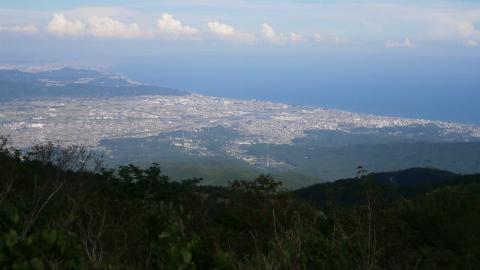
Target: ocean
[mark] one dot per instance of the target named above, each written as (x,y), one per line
(417,86)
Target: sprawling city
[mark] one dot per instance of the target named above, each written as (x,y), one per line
(87,121)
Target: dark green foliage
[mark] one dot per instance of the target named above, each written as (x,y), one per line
(61,217)
(40,249)
(406,183)
(441,229)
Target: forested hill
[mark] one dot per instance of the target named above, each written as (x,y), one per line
(72,83)
(394,185)
(54,214)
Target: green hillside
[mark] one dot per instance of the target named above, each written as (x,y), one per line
(54,214)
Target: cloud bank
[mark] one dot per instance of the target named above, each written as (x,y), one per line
(354,21)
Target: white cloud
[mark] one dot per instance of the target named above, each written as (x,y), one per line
(323,39)
(26,29)
(108,28)
(407,43)
(279,38)
(268,31)
(99,27)
(472,43)
(370,21)
(60,26)
(221,29)
(168,24)
(228,32)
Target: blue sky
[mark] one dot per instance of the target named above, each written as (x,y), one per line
(386,57)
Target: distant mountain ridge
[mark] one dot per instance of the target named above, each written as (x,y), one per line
(73,83)
(405,183)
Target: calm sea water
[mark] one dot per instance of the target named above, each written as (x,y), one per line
(439,88)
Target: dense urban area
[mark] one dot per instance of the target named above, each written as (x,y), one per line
(87,121)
